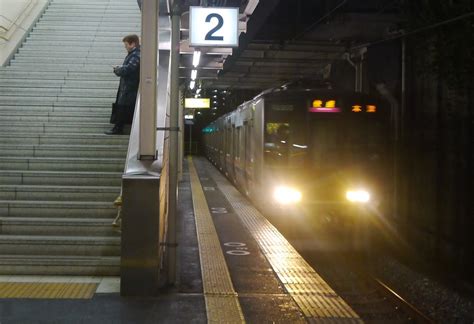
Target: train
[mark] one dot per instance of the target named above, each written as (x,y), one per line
(318,151)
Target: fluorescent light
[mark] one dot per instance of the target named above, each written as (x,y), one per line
(300,146)
(192,84)
(194,74)
(196,58)
(251,5)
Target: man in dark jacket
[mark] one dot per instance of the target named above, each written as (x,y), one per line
(129,73)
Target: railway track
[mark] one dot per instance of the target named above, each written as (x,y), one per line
(371,298)
(414,315)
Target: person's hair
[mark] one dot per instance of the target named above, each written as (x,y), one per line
(131,39)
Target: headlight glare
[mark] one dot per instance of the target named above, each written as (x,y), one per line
(286,195)
(358,196)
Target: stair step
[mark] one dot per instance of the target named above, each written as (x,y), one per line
(21,111)
(70,209)
(60,178)
(45,32)
(14,82)
(75,84)
(104,118)
(57,226)
(61,164)
(57,100)
(47,67)
(39,127)
(49,91)
(65,107)
(71,51)
(17,72)
(59,245)
(98,151)
(72,60)
(59,193)
(65,139)
(106,25)
(59,265)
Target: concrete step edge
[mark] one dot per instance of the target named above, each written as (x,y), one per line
(66,260)
(58,204)
(58,240)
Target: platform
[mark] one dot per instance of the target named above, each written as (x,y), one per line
(233,267)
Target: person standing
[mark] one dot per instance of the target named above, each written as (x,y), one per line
(129,73)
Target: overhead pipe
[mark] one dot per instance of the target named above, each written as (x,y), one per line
(359,68)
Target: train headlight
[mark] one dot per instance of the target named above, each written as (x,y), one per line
(358,196)
(286,195)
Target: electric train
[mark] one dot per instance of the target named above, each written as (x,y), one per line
(321,151)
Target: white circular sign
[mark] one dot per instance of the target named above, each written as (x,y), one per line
(238,252)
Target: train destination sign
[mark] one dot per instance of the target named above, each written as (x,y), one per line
(213,26)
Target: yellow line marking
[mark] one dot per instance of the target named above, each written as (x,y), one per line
(316,299)
(222,303)
(47,290)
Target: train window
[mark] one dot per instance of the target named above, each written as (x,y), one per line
(276,143)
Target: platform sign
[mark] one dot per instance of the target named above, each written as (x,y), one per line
(197,103)
(214,26)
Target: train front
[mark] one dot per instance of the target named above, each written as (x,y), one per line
(326,155)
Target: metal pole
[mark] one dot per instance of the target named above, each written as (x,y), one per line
(148,81)
(180,135)
(173,162)
(190,139)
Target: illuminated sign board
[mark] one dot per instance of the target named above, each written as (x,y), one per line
(329,106)
(213,26)
(356,108)
(197,103)
(371,108)
(368,108)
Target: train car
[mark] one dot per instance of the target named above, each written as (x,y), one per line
(317,151)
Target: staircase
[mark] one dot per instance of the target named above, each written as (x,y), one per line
(59,173)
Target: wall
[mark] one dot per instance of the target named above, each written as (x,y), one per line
(17,17)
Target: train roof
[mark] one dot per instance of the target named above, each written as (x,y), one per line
(304,85)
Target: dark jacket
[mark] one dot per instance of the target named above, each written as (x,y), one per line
(129,74)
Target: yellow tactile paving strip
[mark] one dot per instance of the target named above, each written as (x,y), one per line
(222,303)
(47,290)
(314,296)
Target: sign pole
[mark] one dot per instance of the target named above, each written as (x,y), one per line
(190,138)
(173,146)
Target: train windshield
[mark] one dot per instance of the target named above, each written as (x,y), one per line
(296,138)
(346,141)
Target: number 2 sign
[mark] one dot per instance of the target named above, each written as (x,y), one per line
(213,26)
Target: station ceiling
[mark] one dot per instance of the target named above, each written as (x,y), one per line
(285,40)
